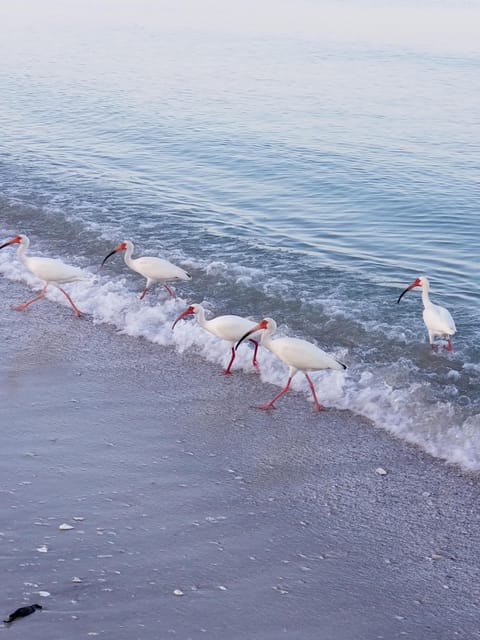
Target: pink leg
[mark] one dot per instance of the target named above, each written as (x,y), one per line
(144,293)
(24,305)
(172,295)
(280,393)
(227,370)
(77,311)
(254,361)
(318,406)
(449,345)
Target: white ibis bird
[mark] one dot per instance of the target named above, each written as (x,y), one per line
(228,328)
(153,269)
(48,270)
(437,319)
(299,355)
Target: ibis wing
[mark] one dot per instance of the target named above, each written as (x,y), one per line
(303,355)
(230,328)
(52,270)
(159,269)
(439,320)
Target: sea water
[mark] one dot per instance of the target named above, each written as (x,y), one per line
(303,178)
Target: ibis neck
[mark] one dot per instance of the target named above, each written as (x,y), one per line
(425,297)
(22,248)
(266,339)
(200,314)
(128,255)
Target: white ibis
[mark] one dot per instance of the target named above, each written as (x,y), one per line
(153,269)
(48,270)
(437,319)
(228,328)
(299,355)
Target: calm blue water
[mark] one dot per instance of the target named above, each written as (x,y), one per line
(306,180)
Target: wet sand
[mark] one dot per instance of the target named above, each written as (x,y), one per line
(271,524)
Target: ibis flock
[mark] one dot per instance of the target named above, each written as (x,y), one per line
(298,355)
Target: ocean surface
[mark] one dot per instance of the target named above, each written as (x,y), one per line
(304,179)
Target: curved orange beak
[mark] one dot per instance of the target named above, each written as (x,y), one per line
(417,283)
(188,311)
(263,324)
(15,240)
(121,247)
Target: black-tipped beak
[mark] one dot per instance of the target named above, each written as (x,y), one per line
(188,311)
(107,257)
(402,294)
(244,337)
(405,291)
(7,244)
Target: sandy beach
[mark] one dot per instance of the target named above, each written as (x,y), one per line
(265,524)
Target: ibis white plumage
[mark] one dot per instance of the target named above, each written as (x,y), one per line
(437,319)
(48,270)
(298,354)
(153,269)
(229,328)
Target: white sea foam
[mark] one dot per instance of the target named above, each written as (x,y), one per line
(384,394)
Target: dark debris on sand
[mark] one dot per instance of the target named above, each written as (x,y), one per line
(22,612)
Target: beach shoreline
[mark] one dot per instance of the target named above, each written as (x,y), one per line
(266,524)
